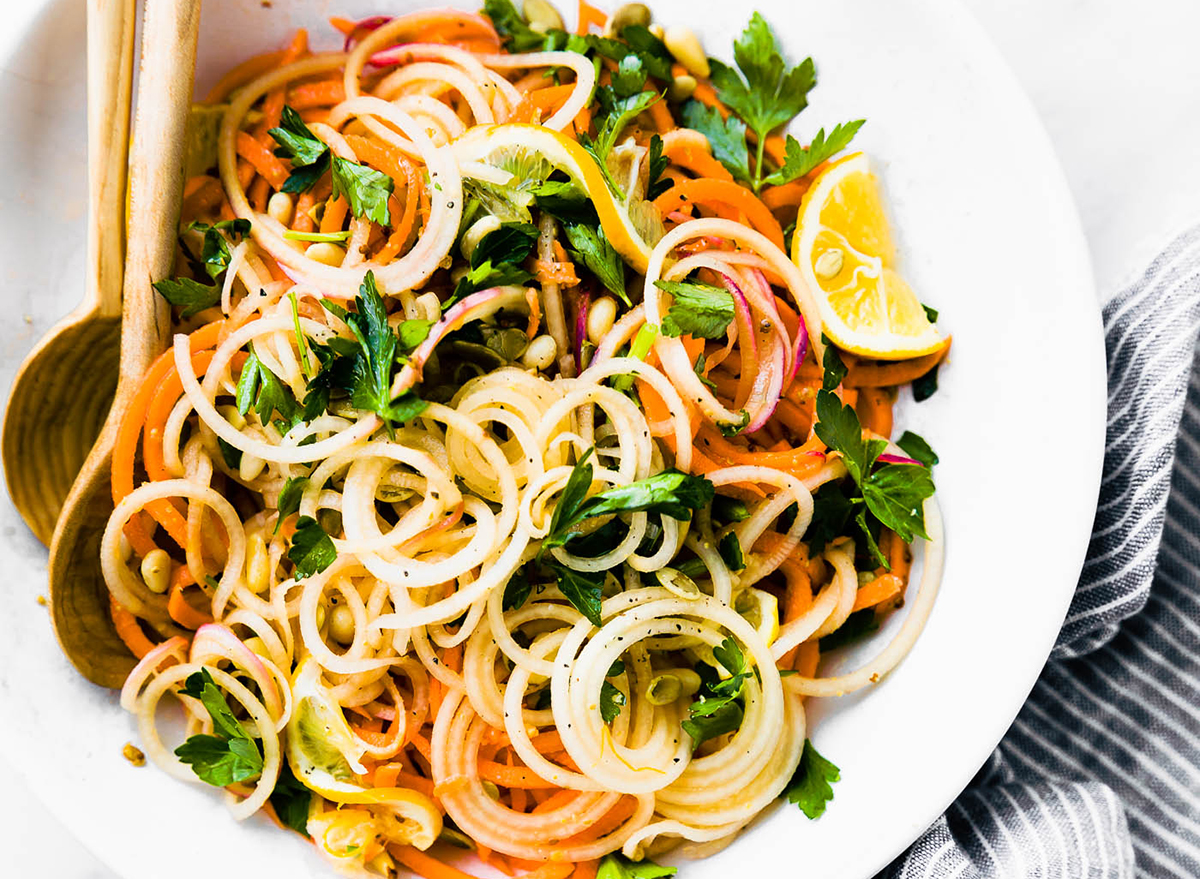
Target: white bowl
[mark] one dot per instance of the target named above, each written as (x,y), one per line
(989,237)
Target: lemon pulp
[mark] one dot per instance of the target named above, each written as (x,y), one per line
(527,152)
(844,248)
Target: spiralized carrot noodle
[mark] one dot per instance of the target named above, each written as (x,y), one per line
(443,521)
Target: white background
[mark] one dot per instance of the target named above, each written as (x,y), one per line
(1118,87)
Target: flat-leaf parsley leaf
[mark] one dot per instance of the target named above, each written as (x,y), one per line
(699,310)
(799,161)
(617,866)
(917,448)
(767,93)
(227,756)
(581,588)
(312,550)
(718,710)
(810,787)
(192,296)
(727,137)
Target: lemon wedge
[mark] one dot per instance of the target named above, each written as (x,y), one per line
(843,247)
(523,151)
(348,837)
(761,610)
(325,756)
(322,750)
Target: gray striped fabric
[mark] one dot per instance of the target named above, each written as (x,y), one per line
(1099,775)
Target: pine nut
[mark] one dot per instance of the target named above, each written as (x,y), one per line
(542,16)
(678,583)
(600,318)
(280,208)
(540,353)
(258,563)
(681,88)
(683,43)
(326,253)
(250,467)
(156,571)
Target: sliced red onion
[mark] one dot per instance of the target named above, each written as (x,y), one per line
(761,371)
(712,241)
(474,306)
(767,369)
(373,22)
(765,301)
(799,346)
(748,340)
(744,317)
(888,458)
(214,641)
(395,55)
(168,653)
(295,276)
(768,386)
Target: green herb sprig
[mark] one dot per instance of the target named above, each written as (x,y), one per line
(227,756)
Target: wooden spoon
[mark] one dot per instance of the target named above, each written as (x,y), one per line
(79,600)
(63,389)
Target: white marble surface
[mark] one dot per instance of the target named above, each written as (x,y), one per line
(1118,87)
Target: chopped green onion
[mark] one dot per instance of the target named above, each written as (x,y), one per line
(663,690)
(318,237)
(301,341)
(642,343)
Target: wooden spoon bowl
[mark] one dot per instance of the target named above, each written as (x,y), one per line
(55,412)
(79,599)
(65,386)
(80,612)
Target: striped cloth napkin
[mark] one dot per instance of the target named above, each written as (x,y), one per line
(1099,775)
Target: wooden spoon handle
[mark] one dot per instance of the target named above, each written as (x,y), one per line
(110,27)
(169,31)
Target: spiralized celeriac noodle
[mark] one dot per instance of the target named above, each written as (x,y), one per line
(356,533)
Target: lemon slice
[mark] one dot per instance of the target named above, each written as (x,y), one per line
(349,836)
(532,152)
(325,756)
(843,247)
(323,751)
(761,610)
